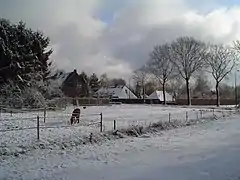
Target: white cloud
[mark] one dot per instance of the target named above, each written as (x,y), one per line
(82,40)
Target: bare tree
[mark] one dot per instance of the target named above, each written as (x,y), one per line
(161,66)
(201,85)
(150,86)
(104,80)
(188,58)
(175,86)
(221,60)
(140,77)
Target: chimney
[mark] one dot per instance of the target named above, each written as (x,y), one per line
(75,71)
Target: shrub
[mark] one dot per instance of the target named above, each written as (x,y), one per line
(13,96)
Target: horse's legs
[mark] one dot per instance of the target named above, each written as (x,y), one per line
(75,120)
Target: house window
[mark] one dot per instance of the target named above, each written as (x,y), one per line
(126,91)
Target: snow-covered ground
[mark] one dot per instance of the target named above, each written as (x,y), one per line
(205,151)
(56,131)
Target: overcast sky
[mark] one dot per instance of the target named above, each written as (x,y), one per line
(115,36)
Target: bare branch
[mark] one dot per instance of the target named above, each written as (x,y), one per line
(175,86)
(140,75)
(188,56)
(161,66)
(160,63)
(221,61)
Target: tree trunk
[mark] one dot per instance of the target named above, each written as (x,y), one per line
(188,92)
(217,94)
(143,93)
(164,94)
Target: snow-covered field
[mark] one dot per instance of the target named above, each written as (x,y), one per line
(57,131)
(204,151)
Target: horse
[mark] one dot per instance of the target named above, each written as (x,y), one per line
(75,116)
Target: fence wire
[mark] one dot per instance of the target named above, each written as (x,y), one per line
(28,123)
(49,120)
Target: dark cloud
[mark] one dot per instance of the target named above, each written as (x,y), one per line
(98,36)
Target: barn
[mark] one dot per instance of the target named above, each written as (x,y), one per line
(157,97)
(116,92)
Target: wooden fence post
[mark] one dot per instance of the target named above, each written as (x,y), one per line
(38,137)
(169,117)
(44,115)
(186,116)
(114,125)
(201,111)
(90,137)
(197,114)
(101,122)
(213,112)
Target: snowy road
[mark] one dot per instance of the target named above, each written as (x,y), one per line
(208,151)
(220,165)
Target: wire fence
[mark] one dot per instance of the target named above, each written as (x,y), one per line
(41,119)
(45,124)
(184,115)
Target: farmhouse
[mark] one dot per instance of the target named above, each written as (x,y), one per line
(157,97)
(116,92)
(70,84)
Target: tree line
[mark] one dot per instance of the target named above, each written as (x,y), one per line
(183,59)
(25,66)
(87,85)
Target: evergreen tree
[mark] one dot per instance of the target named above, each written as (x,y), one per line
(84,80)
(23,53)
(94,82)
